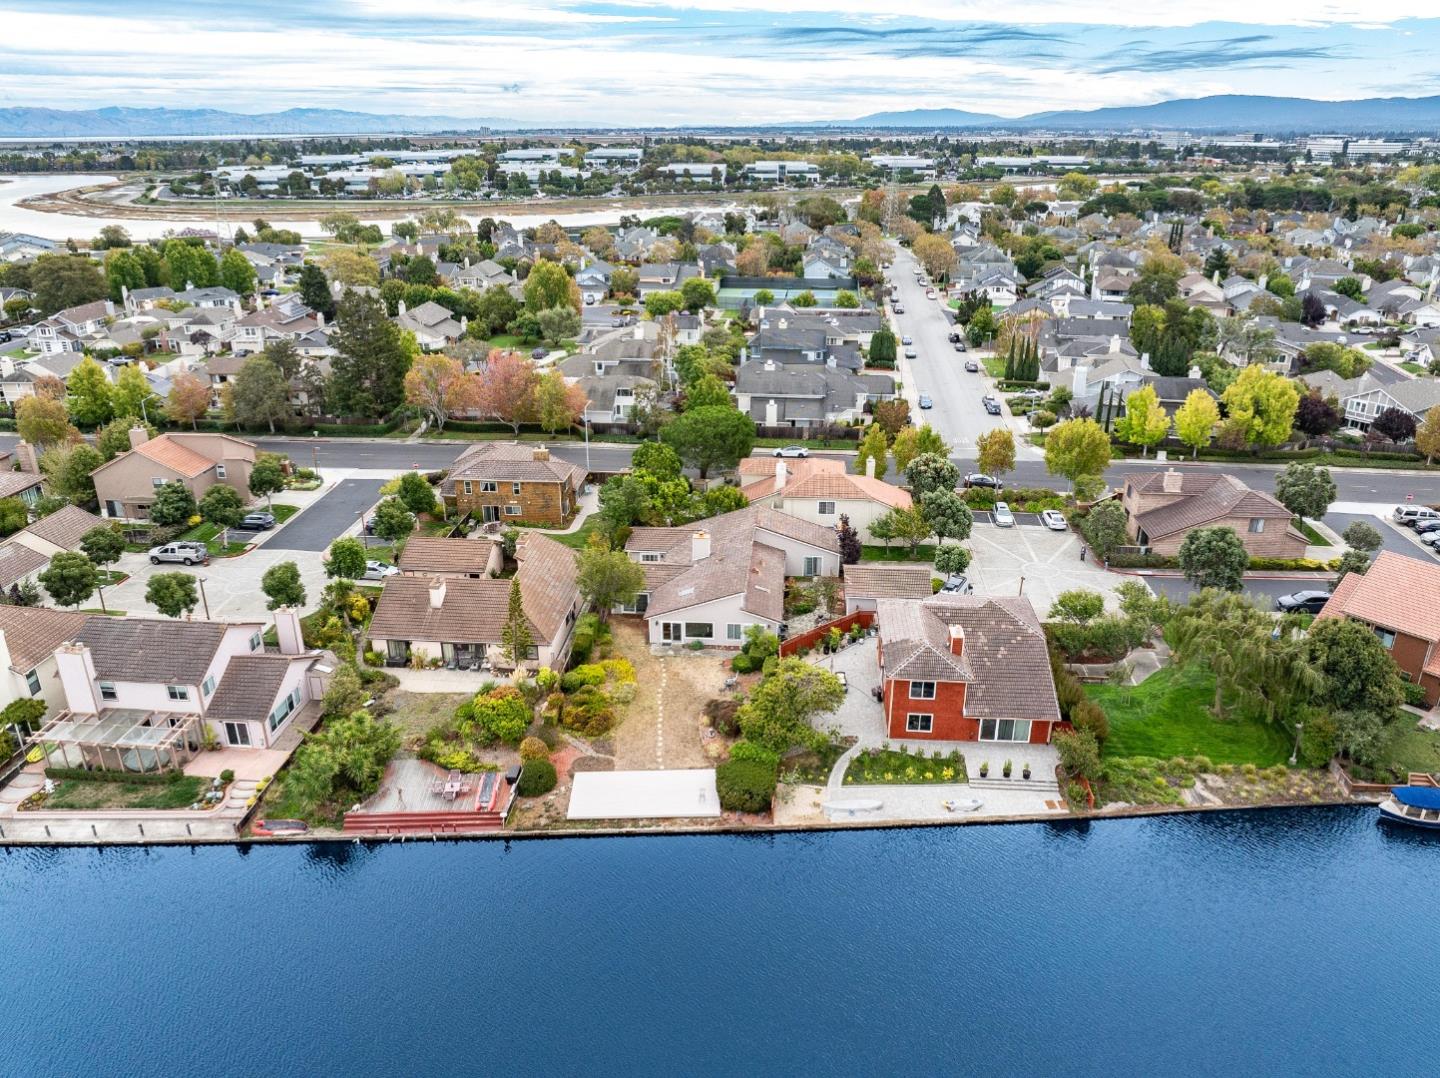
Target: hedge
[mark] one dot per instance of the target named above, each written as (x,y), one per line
(1161,561)
(1005,385)
(81,774)
(536,777)
(745,785)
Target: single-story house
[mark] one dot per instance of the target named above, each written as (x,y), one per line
(1164,507)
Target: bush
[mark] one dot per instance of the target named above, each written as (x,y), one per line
(227,775)
(578,678)
(532,748)
(745,785)
(749,750)
(743,663)
(724,716)
(588,712)
(592,639)
(536,777)
(80,774)
(1079,753)
(498,715)
(1414,694)
(1090,717)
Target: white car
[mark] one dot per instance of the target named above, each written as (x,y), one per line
(907,340)
(1054,520)
(1431,539)
(1002,516)
(378,570)
(792,451)
(910,353)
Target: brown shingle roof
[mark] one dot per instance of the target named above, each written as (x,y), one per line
(17,561)
(432,554)
(152,649)
(14,483)
(887,581)
(248,688)
(65,527)
(32,633)
(509,462)
(547,582)
(1396,592)
(1005,662)
(1200,503)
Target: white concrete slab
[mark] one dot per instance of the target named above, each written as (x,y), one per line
(644,795)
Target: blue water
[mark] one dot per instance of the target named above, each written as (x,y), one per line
(1290,942)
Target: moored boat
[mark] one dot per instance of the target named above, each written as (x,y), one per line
(1414,806)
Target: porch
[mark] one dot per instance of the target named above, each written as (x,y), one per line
(121,739)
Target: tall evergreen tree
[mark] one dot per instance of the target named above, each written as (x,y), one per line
(515,637)
(367,377)
(315,290)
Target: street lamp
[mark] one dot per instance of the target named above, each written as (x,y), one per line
(585,418)
(1294,755)
(203,599)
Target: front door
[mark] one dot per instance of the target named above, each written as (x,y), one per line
(673,632)
(490,514)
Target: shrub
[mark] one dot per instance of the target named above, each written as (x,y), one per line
(1319,741)
(1075,794)
(621,671)
(592,638)
(536,777)
(498,715)
(745,785)
(578,678)
(227,775)
(1414,694)
(532,748)
(743,663)
(1079,753)
(588,712)
(749,750)
(1089,716)
(724,716)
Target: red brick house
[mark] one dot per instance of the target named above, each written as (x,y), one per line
(1399,598)
(966,668)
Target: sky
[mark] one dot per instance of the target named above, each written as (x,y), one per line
(662,62)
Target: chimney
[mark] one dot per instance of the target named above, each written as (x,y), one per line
(464,322)
(869,467)
(189,285)
(1171,482)
(1078,384)
(1144,361)
(25,455)
(76,667)
(1194,372)
(1264,278)
(781,473)
(957,640)
(402,308)
(320,319)
(772,412)
(699,546)
(437,593)
(124,293)
(540,453)
(138,437)
(1114,344)
(287,631)
(639,332)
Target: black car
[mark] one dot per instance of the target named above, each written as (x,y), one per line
(980,479)
(1302,602)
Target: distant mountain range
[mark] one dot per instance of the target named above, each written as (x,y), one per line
(127,122)
(1229,112)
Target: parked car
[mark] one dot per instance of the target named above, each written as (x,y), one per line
(972,367)
(909,353)
(992,406)
(926,402)
(257,522)
(980,479)
(1054,520)
(1002,516)
(899,308)
(1031,394)
(1306,602)
(791,451)
(1413,514)
(955,335)
(929,293)
(956,584)
(378,570)
(907,340)
(1424,526)
(1431,539)
(279,827)
(186,553)
(959,346)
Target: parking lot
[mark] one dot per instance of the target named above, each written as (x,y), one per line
(1035,562)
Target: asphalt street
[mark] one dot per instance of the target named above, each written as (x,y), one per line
(328,518)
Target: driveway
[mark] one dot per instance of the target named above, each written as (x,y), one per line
(1037,563)
(232,585)
(328,518)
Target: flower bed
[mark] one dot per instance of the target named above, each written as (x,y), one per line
(899,767)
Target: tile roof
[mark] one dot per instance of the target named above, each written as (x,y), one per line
(432,554)
(510,462)
(1397,592)
(819,477)
(13,483)
(153,649)
(887,581)
(65,527)
(1005,661)
(1201,500)
(166,451)
(32,633)
(18,561)
(547,581)
(248,688)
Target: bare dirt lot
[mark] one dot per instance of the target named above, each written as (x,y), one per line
(663,727)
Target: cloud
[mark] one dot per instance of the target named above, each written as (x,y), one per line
(1228,52)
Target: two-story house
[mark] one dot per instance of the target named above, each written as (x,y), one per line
(821,490)
(513,483)
(70,329)
(1164,507)
(1399,598)
(126,485)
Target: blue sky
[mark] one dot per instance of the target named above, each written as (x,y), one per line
(702,61)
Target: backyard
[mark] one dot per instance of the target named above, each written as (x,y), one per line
(180,792)
(1168,715)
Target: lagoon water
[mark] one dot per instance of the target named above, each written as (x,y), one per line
(1264,943)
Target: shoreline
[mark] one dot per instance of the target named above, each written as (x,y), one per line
(731,829)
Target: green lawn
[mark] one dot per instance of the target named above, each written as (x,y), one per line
(1169,715)
(1413,368)
(1409,748)
(283,512)
(897,553)
(1313,537)
(507,340)
(577,539)
(182,792)
(891,767)
(208,533)
(994,366)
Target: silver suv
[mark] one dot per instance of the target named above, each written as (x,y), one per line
(188,553)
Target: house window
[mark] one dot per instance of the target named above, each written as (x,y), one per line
(156,481)
(734,632)
(919,724)
(256,640)
(512,510)
(107,691)
(238,733)
(467,487)
(1005,730)
(649,557)
(532,653)
(178,692)
(219,471)
(704,630)
(515,488)
(812,567)
(826,509)
(922,690)
(489,487)
(1387,637)
(32,682)
(1257,525)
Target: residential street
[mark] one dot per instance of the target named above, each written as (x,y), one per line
(330,517)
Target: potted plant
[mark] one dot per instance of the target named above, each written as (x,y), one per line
(1007,769)
(985,769)
(1025,771)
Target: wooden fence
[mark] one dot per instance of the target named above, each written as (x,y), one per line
(809,639)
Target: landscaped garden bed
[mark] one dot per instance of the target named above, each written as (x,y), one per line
(175,791)
(901,767)
(210,534)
